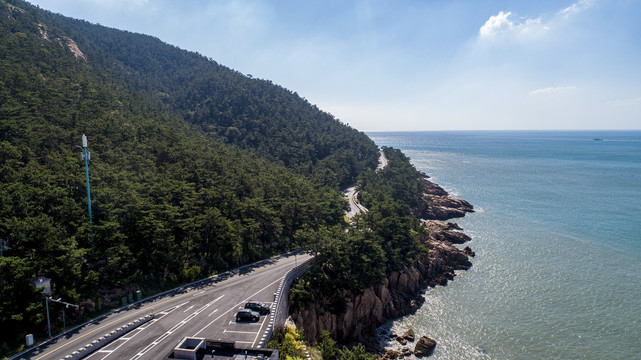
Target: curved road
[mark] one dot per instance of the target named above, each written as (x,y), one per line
(352,194)
(205,310)
(382,161)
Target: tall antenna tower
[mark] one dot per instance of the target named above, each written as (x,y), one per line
(86,156)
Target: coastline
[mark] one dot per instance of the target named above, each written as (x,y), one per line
(546,255)
(401,292)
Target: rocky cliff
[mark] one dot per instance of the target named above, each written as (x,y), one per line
(400,292)
(436,204)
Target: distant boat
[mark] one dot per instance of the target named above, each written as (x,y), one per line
(597,139)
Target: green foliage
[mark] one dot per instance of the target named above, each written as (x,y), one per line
(357,352)
(327,345)
(347,259)
(250,113)
(356,257)
(329,350)
(398,181)
(288,342)
(195,168)
(389,194)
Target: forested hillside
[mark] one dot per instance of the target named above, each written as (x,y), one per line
(251,113)
(194,168)
(384,239)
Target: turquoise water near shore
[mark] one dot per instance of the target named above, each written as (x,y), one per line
(557,236)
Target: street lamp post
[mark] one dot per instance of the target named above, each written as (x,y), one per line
(59,301)
(48,321)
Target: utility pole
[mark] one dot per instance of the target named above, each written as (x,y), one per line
(48,322)
(86,156)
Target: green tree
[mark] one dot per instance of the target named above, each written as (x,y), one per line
(327,346)
(287,341)
(357,352)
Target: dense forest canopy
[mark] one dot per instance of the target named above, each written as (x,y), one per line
(238,109)
(195,168)
(384,239)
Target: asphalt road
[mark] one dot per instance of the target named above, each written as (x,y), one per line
(354,207)
(351,194)
(207,310)
(382,161)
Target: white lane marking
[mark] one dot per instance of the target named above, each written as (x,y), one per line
(189,308)
(212,313)
(246,323)
(170,309)
(133,333)
(238,332)
(174,328)
(198,293)
(258,333)
(235,306)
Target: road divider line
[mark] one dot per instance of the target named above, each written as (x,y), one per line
(175,327)
(234,307)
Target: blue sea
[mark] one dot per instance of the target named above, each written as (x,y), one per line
(557,236)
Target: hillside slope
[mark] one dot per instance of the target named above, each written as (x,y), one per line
(254,114)
(172,199)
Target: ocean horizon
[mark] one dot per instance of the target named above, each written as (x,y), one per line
(557,236)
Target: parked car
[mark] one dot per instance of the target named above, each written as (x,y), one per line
(259,306)
(247,315)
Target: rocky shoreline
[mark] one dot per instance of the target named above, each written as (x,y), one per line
(401,292)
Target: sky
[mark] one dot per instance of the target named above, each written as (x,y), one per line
(410,65)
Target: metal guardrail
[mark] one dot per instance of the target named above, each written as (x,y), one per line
(95,345)
(281,298)
(198,283)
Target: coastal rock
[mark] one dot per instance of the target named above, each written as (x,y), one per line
(389,355)
(453,226)
(436,204)
(399,293)
(469,252)
(401,341)
(442,208)
(424,347)
(433,189)
(446,232)
(409,335)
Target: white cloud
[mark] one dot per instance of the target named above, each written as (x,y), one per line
(497,24)
(509,23)
(552,90)
(575,8)
(625,102)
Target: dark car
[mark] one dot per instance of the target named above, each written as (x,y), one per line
(247,315)
(259,306)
